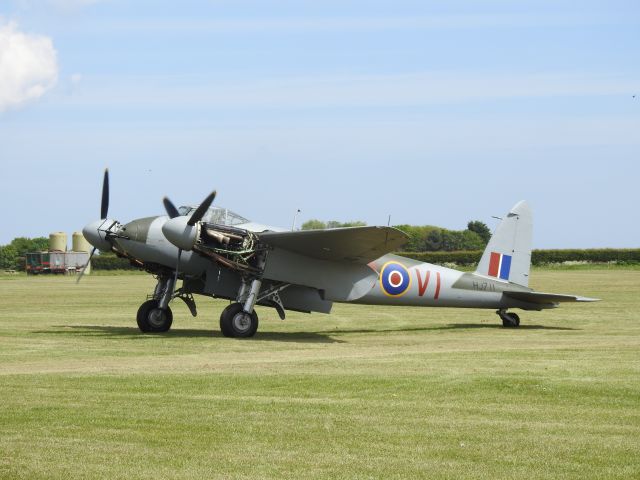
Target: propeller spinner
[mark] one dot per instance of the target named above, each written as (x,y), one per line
(184,231)
(94,232)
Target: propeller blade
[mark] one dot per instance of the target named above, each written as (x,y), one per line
(202,209)
(86,265)
(104,208)
(175,279)
(171,209)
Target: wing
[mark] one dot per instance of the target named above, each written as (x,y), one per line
(359,245)
(545,298)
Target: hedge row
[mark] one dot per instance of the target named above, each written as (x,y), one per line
(110,262)
(601,255)
(538,257)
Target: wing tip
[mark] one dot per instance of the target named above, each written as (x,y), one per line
(587,299)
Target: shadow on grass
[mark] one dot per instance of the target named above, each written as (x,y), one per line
(451,326)
(300,337)
(454,326)
(134,333)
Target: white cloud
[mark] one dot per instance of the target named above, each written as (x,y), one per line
(28,66)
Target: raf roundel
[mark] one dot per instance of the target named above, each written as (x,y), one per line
(394,279)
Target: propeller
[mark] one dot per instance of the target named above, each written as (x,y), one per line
(175,277)
(184,234)
(104,210)
(104,207)
(202,209)
(182,231)
(85,266)
(171,209)
(173,212)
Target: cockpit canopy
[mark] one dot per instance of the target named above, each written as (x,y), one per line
(217,215)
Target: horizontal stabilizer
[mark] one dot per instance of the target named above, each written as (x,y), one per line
(359,245)
(544,298)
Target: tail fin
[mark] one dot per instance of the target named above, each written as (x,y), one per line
(508,254)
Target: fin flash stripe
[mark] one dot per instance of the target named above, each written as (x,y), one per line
(500,265)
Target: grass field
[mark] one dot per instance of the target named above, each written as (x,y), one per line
(363,393)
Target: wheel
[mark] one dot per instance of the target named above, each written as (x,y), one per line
(235,322)
(510,320)
(152,319)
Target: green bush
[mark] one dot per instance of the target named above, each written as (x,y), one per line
(108,261)
(538,257)
(12,256)
(427,238)
(315,224)
(600,255)
(470,257)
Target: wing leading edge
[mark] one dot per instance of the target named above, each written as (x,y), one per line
(358,245)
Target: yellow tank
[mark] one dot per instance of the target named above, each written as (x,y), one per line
(58,242)
(80,243)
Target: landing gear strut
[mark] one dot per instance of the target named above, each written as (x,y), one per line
(155,316)
(240,319)
(509,320)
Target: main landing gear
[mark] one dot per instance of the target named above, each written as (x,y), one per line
(155,315)
(240,319)
(509,320)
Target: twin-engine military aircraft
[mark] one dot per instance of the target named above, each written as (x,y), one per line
(218,253)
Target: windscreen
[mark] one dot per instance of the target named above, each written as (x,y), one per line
(217,215)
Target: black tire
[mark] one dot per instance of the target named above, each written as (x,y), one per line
(151,319)
(236,323)
(510,320)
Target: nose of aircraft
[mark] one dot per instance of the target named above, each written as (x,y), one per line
(95,233)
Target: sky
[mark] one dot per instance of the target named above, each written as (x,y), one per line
(431,112)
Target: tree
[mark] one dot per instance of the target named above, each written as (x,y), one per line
(433,242)
(472,241)
(353,223)
(8,257)
(313,225)
(481,229)
(319,224)
(451,240)
(25,245)
(21,246)
(333,224)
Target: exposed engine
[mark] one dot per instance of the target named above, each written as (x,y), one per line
(232,247)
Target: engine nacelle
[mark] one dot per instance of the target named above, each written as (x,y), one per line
(180,234)
(96,233)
